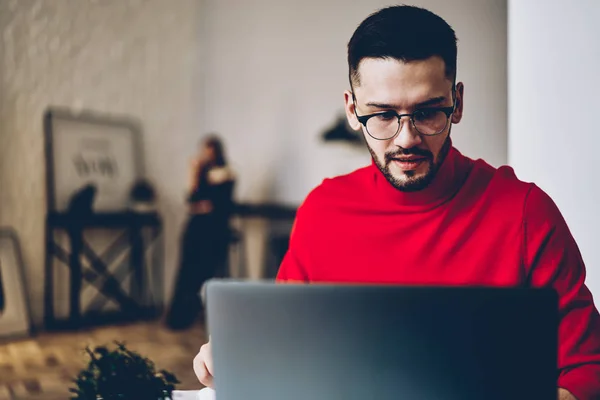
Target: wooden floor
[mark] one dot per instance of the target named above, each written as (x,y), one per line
(42,367)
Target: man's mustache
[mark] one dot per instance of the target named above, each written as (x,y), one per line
(407,152)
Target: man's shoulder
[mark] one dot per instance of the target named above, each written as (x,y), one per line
(502,180)
(333,188)
(505,187)
(349,181)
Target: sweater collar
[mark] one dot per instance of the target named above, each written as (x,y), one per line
(449,178)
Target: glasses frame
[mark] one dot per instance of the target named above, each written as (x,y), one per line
(449,110)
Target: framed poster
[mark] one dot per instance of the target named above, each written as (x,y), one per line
(88,148)
(15,313)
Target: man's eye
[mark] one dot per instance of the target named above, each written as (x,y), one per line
(423,115)
(386,116)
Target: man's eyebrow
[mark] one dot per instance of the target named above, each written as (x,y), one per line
(381,105)
(429,102)
(432,101)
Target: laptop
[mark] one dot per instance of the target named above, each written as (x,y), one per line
(355,342)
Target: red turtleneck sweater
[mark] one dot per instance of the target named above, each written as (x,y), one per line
(474,225)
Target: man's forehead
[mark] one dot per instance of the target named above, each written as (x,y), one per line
(394,82)
(373,71)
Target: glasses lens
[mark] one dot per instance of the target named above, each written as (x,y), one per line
(383,126)
(430,122)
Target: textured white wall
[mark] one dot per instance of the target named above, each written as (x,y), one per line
(554,128)
(137,57)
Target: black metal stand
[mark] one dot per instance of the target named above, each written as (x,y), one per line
(143,300)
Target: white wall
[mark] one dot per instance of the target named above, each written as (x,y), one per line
(554,123)
(138,57)
(276,71)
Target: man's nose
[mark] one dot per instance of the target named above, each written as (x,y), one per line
(407,136)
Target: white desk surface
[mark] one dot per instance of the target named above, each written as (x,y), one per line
(204,394)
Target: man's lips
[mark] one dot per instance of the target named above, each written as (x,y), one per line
(409,159)
(408,163)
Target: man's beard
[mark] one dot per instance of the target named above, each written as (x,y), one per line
(412,183)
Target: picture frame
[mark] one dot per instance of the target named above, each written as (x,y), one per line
(89,148)
(15,310)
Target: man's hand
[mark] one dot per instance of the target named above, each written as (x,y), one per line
(203,366)
(564,394)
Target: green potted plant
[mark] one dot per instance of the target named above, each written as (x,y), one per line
(121,374)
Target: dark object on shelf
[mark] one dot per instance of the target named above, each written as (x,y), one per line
(82,201)
(340,131)
(121,374)
(142,197)
(143,191)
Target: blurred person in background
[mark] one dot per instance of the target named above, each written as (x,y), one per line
(206,236)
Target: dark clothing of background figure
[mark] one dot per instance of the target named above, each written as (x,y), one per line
(204,249)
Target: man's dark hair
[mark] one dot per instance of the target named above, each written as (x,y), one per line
(404,33)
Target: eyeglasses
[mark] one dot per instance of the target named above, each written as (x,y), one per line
(385,125)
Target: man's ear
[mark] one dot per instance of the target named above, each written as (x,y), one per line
(350,111)
(458,110)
